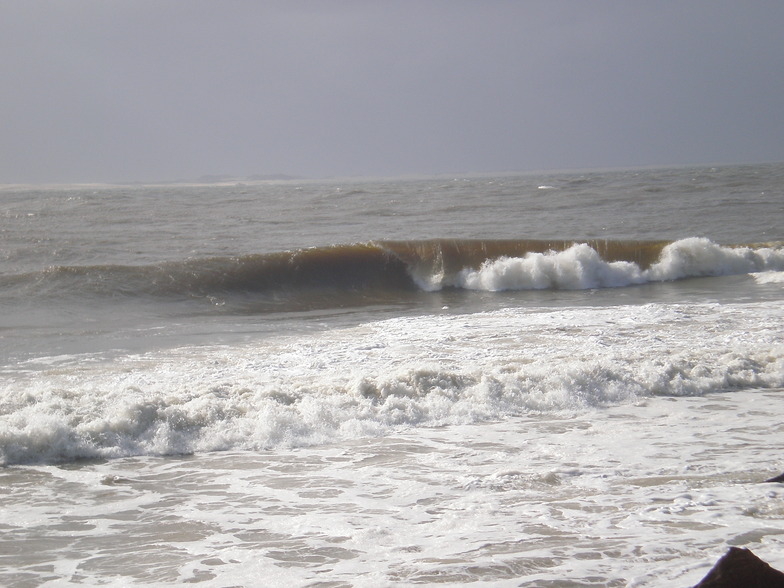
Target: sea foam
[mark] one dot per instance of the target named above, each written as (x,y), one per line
(581,267)
(379,377)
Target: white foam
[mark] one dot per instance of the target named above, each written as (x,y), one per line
(701,257)
(381,376)
(646,495)
(769,278)
(581,267)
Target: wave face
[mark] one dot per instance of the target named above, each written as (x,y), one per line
(346,267)
(398,266)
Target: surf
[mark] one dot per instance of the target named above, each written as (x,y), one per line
(397,267)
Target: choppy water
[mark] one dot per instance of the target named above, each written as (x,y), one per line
(569,379)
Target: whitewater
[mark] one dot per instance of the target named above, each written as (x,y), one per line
(561,379)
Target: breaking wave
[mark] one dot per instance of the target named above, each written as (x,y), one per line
(373,379)
(395,266)
(582,267)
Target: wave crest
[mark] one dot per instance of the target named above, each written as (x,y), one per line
(582,267)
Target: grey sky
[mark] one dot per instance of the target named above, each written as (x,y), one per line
(107,90)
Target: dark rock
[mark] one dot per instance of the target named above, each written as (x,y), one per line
(740,568)
(777,479)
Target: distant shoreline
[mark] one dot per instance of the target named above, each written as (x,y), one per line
(229,180)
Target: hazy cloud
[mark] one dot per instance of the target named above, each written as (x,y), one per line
(102,90)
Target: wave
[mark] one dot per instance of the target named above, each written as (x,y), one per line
(394,266)
(378,377)
(340,267)
(582,267)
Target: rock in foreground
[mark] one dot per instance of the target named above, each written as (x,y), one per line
(740,568)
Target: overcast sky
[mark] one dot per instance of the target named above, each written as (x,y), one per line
(146,90)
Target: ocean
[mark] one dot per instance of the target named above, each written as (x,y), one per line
(546,379)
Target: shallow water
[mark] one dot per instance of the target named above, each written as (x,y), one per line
(602,498)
